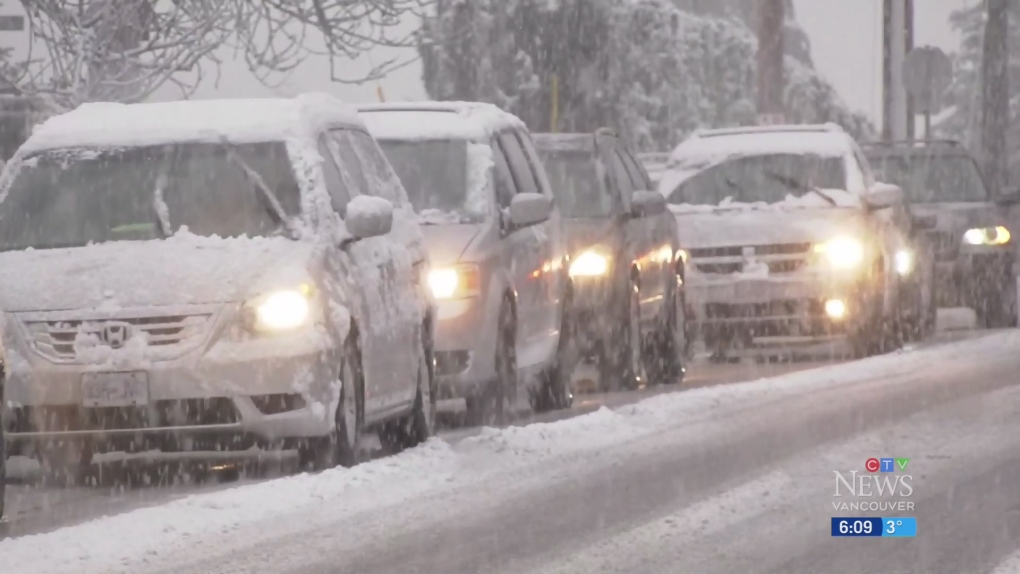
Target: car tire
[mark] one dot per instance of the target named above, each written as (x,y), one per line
(340,446)
(555,391)
(489,407)
(420,425)
(621,360)
(666,363)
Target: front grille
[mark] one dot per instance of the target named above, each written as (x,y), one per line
(738,250)
(780,258)
(56,339)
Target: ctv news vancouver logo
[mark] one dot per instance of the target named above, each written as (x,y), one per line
(882,478)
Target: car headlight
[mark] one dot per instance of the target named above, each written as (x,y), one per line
(454,282)
(589,264)
(283,310)
(997,235)
(904,261)
(842,252)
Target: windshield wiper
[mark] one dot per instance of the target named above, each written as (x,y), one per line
(799,186)
(268,197)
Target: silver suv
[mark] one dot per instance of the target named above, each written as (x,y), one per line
(493,233)
(209,275)
(791,241)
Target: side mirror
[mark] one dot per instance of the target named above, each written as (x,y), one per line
(369,216)
(647,204)
(529,209)
(883,195)
(924,222)
(1010,196)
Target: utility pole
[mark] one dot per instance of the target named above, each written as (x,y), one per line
(908,40)
(995,95)
(770,61)
(894,50)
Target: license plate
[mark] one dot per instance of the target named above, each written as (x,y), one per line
(114,389)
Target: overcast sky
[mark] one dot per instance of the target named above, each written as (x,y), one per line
(845,41)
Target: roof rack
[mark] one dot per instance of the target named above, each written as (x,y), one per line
(914,143)
(829,127)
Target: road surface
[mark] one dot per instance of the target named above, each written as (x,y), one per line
(33,506)
(734,478)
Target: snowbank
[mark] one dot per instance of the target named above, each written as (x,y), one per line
(208,523)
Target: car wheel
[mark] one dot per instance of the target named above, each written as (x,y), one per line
(556,391)
(420,425)
(340,446)
(665,365)
(490,406)
(621,361)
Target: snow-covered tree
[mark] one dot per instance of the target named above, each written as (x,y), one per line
(123,50)
(961,119)
(646,67)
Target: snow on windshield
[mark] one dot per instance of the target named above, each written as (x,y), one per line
(446,180)
(791,179)
(76,196)
(575,181)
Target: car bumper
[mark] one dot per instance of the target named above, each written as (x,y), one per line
(465,346)
(261,390)
(774,311)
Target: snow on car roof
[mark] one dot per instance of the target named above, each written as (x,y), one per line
(475,121)
(240,120)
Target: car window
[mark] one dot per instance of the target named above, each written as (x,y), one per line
(374,166)
(349,161)
(574,176)
(535,163)
(519,166)
(619,174)
(501,176)
(865,168)
(339,194)
(638,175)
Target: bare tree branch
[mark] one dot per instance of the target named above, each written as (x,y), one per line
(124,50)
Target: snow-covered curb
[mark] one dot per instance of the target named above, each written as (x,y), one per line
(124,542)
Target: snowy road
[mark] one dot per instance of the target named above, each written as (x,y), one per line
(734,478)
(34,507)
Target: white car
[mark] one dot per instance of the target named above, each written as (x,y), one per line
(502,288)
(215,274)
(790,240)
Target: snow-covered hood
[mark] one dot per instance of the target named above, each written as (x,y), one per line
(721,228)
(174,271)
(958,217)
(447,243)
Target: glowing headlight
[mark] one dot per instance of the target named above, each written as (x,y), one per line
(589,264)
(843,252)
(998,235)
(904,262)
(283,310)
(453,282)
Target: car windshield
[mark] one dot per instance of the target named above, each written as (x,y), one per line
(73,197)
(435,175)
(768,178)
(932,178)
(575,183)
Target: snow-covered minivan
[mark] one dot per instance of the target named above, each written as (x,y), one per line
(790,241)
(214,274)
